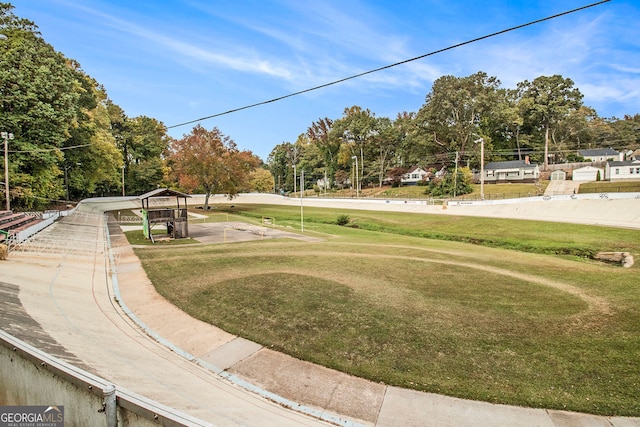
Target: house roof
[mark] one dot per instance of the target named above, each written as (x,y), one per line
(623,163)
(511,164)
(598,152)
(162,192)
(587,168)
(415,168)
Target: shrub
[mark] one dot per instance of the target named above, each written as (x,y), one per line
(343,220)
(450,184)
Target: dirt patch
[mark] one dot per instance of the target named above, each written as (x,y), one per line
(230,232)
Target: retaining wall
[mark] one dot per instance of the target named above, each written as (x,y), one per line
(30,377)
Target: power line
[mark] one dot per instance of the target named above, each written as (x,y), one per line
(391,65)
(44,150)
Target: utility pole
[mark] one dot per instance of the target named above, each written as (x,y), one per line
(455,177)
(325,182)
(301,207)
(482,168)
(6,136)
(357,182)
(481,141)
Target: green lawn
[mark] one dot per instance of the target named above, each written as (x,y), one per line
(524,235)
(491,191)
(443,316)
(610,187)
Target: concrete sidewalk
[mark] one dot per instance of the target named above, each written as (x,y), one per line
(562,187)
(201,370)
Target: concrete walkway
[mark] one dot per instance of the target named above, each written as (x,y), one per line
(69,291)
(562,187)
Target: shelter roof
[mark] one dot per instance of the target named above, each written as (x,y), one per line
(162,192)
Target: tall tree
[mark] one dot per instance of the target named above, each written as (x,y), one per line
(357,129)
(279,166)
(505,124)
(39,104)
(412,149)
(574,131)
(211,161)
(385,139)
(91,161)
(454,110)
(261,181)
(146,146)
(328,144)
(548,100)
(626,132)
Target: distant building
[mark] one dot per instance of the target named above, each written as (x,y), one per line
(587,173)
(511,171)
(618,170)
(415,175)
(599,154)
(633,155)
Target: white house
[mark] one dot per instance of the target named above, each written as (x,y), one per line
(599,154)
(511,171)
(587,173)
(618,170)
(414,176)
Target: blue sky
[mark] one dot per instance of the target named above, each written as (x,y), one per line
(177,61)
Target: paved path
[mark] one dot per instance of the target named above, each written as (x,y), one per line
(68,297)
(67,302)
(562,187)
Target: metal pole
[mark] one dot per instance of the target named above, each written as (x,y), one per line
(325,183)
(455,177)
(482,168)
(301,207)
(6,171)
(6,136)
(357,179)
(357,183)
(110,406)
(123,181)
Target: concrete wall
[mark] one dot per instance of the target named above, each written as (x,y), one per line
(31,377)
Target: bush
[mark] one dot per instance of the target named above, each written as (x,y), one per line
(343,220)
(446,185)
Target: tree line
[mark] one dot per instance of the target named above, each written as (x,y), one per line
(71,141)
(543,120)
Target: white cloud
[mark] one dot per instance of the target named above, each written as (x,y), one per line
(238,58)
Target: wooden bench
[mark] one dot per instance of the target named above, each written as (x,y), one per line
(5,216)
(16,222)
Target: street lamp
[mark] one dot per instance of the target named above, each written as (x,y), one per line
(481,141)
(6,136)
(357,184)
